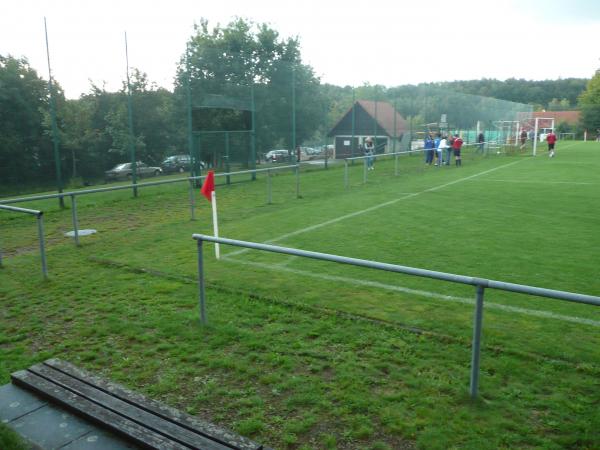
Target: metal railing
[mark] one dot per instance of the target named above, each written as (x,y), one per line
(378,155)
(190,180)
(40,223)
(480,285)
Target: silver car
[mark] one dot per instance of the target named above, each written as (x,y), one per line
(125,172)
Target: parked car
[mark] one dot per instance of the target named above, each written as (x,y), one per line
(124,171)
(178,163)
(277,156)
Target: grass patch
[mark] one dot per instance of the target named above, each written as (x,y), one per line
(301,354)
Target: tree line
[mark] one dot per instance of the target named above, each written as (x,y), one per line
(240,65)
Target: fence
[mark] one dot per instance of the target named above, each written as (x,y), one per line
(190,180)
(40,222)
(480,285)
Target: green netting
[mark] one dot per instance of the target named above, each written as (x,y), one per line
(236,123)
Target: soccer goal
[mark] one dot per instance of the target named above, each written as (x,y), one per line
(566,136)
(543,125)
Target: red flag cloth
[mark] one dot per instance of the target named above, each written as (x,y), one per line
(208,186)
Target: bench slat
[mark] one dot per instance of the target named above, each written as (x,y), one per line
(90,410)
(166,412)
(170,430)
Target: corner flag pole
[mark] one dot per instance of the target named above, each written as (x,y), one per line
(215,222)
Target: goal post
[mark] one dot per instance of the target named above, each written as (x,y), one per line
(538,121)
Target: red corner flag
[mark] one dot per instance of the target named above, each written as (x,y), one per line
(208,186)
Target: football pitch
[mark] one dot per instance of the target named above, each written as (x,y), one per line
(308,354)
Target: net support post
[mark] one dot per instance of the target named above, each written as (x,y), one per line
(365,170)
(74,216)
(40,222)
(476,344)
(201,290)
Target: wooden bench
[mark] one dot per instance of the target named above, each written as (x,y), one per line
(138,419)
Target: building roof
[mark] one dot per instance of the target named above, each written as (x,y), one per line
(384,112)
(570,117)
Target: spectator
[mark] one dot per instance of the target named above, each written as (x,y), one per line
(442,145)
(429,149)
(449,149)
(480,142)
(523,139)
(369,152)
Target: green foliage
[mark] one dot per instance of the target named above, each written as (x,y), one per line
(25,149)
(589,102)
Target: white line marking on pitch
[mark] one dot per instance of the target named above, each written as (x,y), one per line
(537,182)
(432,295)
(373,208)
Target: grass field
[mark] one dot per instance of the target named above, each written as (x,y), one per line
(306,354)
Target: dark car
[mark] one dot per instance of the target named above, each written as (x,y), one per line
(178,163)
(124,171)
(277,156)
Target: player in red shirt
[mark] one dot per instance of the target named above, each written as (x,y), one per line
(456,146)
(551,139)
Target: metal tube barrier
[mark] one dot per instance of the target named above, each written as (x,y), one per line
(139,185)
(40,224)
(480,283)
(476,347)
(364,158)
(201,290)
(74,215)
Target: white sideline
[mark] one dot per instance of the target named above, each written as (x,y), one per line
(373,208)
(538,182)
(433,295)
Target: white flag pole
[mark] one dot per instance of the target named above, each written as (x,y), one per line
(215,222)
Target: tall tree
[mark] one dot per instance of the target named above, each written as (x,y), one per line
(25,150)
(589,102)
(227,66)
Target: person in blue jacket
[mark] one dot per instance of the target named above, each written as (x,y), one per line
(429,149)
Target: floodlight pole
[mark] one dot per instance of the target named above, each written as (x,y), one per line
(293,108)
(55,137)
(353,124)
(253,133)
(130,121)
(188,90)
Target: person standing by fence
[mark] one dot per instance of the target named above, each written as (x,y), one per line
(369,152)
(442,145)
(429,149)
(456,146)
(480,142)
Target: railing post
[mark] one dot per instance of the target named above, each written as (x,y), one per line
(298,181)
(192,200)
(74,215)
(201,292)
(40,222)
(269,197)
(396,164)
(476,346)
(346,173)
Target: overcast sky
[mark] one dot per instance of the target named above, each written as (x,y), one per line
(347,43)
